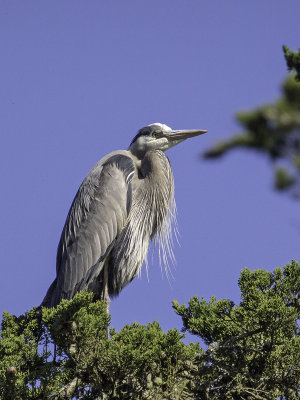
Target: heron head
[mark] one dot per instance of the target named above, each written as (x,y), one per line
(158,136)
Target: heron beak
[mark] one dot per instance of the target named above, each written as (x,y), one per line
(183,134)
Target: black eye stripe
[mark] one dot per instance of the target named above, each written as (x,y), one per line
(146,131)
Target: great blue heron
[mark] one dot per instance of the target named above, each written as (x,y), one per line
(126,200)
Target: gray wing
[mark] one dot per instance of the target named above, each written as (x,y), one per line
(97,216)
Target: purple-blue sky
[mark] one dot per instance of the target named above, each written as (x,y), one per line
(79,78)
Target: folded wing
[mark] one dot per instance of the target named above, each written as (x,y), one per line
(96,218)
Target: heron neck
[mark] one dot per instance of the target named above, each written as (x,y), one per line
(138,153)
(155,163)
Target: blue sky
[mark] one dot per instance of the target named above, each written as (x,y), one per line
(78,79)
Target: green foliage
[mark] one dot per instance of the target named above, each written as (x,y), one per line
(20,338)
(271,128)
(292,60)
(283,179)
(274,130)
(253,348)
(144,362)
(64,352)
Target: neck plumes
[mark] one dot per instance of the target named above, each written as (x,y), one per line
(158,174)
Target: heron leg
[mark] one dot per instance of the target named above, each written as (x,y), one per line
(105,295)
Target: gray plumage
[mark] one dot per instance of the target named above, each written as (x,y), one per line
(125,201)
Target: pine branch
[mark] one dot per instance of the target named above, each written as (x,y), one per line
(292,60)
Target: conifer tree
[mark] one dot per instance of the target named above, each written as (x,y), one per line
(273,130)
(292,60)
(251,351)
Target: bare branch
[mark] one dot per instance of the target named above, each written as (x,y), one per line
(68,390)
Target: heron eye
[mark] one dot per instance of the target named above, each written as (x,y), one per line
(156,134)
